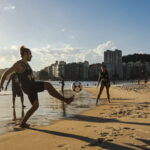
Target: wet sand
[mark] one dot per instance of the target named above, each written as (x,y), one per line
(124,124)
(50,109)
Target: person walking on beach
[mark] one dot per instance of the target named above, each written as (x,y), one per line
(104,79)
(62,91)
(29,85)
(16,89)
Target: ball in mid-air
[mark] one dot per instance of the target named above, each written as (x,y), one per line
(76,86)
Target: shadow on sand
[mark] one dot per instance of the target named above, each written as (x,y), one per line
(142,147)
(105,144)
(101,120)
(96,142)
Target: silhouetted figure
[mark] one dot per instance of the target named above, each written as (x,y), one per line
(104,79)
(16,89)
(29,85)
(62,91)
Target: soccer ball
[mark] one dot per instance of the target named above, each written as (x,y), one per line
(76,86)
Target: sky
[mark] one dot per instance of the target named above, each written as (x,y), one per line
(72,30)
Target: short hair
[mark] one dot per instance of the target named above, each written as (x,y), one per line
(23,50)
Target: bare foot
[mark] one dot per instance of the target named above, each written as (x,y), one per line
(25,125)
(70,100)
(96,102)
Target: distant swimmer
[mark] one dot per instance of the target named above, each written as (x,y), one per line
(29,85)
(104,79)
(16,89)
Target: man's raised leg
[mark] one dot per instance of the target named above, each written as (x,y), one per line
(52,91)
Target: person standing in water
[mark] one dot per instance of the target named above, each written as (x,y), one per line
(29,85)
(62,84)
(62,91)
(16,89)
(104,79)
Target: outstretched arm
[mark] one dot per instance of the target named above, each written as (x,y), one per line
(8,82)
(14,68)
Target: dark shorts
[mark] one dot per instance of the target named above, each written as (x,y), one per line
(17,91)
(33,90)
(106,84)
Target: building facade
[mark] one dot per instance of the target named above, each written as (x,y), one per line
(113,61)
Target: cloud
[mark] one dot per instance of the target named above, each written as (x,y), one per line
(72,37)
(109,45)
(47,55)
(63,30)
(8,8)
(8,56)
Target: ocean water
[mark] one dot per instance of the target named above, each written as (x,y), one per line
(50,109)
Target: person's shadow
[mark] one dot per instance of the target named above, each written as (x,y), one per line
(90,141)
(142,147)
(86,118)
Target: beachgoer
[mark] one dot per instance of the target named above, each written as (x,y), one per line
(29,85)
(16,89)
(104,79)
(62,91)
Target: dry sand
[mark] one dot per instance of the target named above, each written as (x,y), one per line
(124,124)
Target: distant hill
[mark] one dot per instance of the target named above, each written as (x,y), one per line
(136,57)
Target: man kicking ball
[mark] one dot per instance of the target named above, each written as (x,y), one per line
(29,85)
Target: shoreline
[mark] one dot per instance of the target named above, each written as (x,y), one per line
(51,115)
(122,124)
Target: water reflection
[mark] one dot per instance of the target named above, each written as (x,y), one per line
(50,109)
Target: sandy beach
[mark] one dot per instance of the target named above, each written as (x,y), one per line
(124,124)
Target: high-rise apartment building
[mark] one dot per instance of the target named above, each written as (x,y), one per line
(113,61)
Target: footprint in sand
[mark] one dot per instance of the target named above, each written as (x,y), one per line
(83,147)
(88,126)
(104,134)
(101,113)
(61,145)
(109,128)
(64,146)
(97,142)
(126,128)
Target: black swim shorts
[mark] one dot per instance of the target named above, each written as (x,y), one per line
(17,91)
(33,90)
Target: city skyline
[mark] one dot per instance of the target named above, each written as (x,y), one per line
(72,31)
